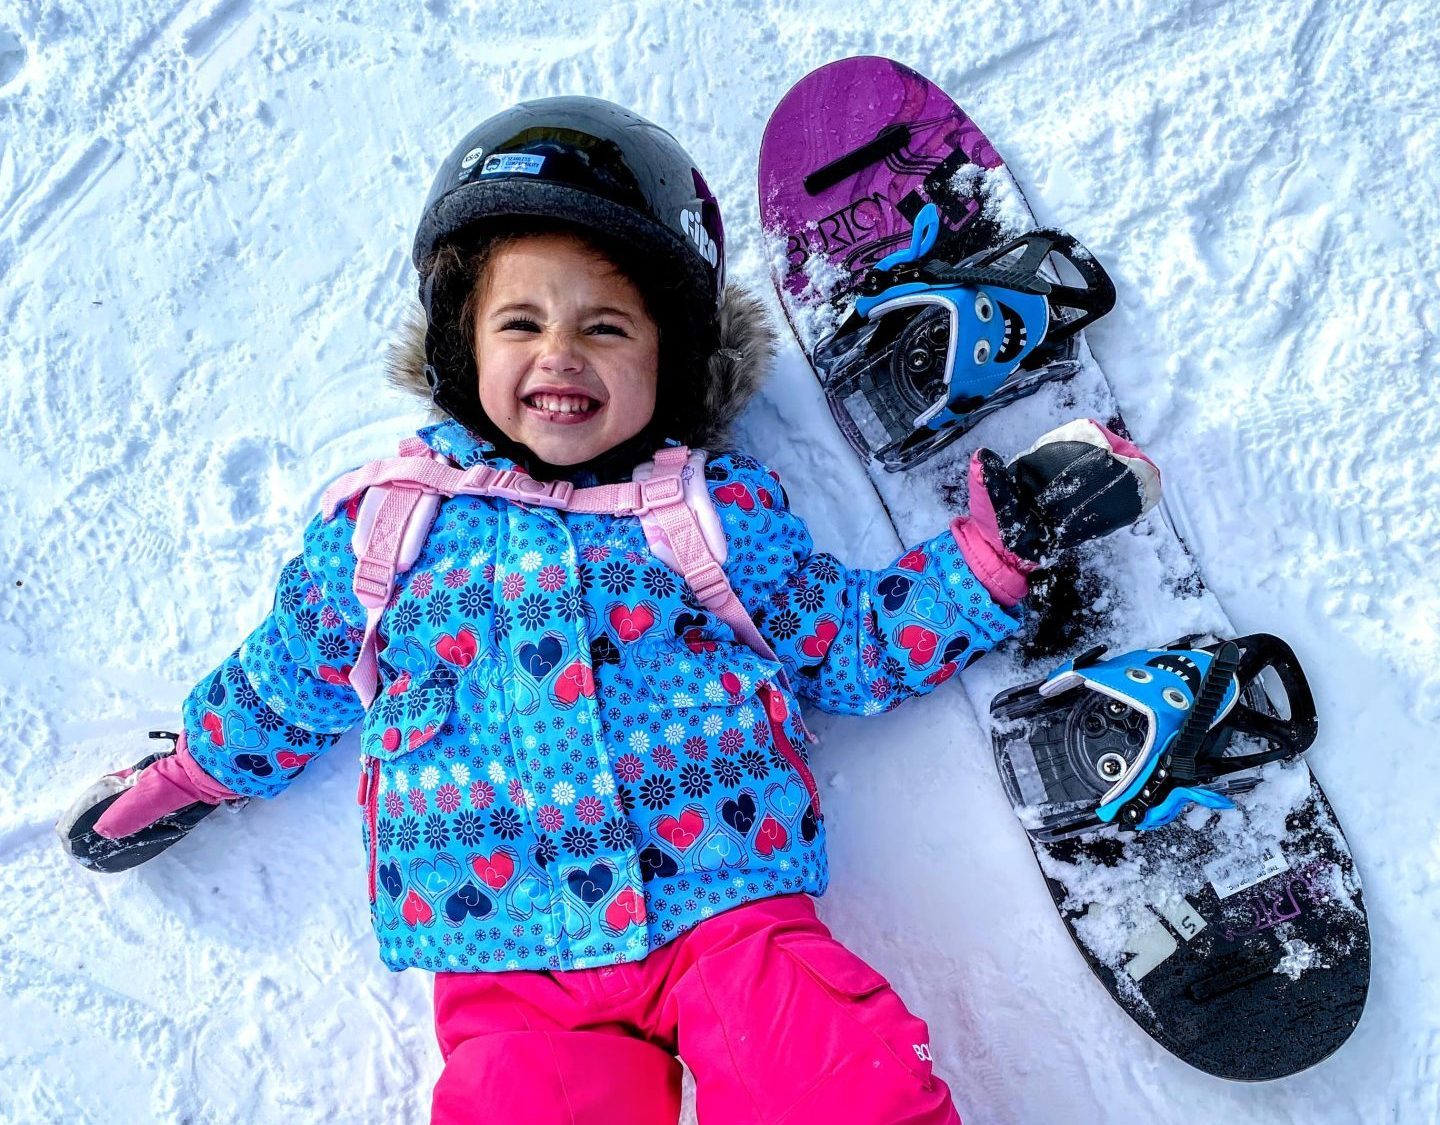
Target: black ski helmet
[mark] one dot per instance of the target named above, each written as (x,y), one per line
(586,163)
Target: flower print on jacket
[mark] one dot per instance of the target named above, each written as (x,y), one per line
(569,762)
(607,767)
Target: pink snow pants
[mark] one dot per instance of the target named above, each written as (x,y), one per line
(779,1022)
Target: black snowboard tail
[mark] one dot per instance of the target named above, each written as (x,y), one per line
(1230,916)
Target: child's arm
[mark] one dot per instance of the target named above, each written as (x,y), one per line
(862,641)
(250,727)
(855,641)
(283,698)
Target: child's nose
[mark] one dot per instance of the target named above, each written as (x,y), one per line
(560,354)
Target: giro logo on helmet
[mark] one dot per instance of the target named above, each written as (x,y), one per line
(692,225)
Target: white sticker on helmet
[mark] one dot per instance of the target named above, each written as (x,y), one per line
(468,160)
(506,162)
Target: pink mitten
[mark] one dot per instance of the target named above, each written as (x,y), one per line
(130,816)
(165,786)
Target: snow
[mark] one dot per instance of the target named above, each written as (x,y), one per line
(205,211)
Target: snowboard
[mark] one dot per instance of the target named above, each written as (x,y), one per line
(1236,938)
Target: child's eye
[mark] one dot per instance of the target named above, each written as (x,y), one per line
(519,323)
(607,329)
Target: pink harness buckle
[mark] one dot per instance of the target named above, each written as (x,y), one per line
(520,487)
(373,582)
(659,491)
(709,583)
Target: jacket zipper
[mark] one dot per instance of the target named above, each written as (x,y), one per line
(777,712)
(368,798)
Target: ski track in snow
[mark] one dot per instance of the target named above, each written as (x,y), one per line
(205,211)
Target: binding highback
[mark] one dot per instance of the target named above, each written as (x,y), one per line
(402,496)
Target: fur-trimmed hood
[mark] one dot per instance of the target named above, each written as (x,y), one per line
(735,371)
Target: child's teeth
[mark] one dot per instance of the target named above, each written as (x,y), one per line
(562,404)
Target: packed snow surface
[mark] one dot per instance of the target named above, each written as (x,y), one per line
(205,214)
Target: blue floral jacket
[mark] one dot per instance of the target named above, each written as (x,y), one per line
(569,763)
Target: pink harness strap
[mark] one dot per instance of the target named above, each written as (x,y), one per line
(681,529)
(419,472)
(391,544)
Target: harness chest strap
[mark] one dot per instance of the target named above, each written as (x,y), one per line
(402,498)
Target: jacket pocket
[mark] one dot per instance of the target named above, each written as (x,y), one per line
(777,711)
(715,675)
(724,677)
(408,713)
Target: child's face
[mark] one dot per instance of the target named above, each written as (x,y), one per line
(565,352)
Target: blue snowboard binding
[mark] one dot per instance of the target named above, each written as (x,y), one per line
(930,348)
(1131,742)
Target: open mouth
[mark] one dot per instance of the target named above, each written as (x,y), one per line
(562,407)
(1013,342)
(1181,666)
